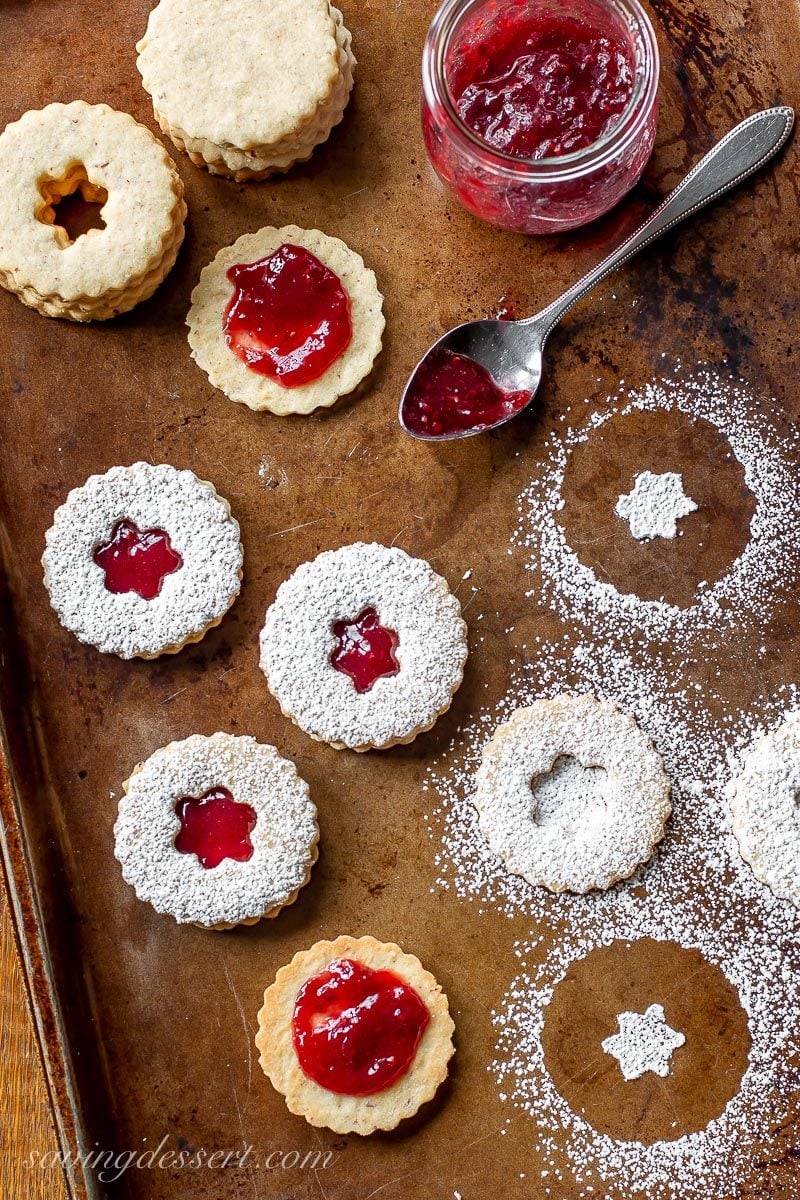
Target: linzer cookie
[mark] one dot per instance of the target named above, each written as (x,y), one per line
(364,647)
(217,831)
(355,1034)
(110,161)
(142,560)
(764,800)
(247,90)
(286,320)
(571,794)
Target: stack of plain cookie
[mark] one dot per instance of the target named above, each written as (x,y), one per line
(247,89)
(108,157)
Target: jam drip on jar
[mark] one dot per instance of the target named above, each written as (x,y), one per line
(365,649)
(455,394)
(356,1030)
(137,560)
(288,317)
(538,85)
(214,826)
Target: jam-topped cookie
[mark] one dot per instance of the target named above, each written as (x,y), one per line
(142,560)
(364,647)
(111,163)
(247,90)
(355,1034)
(571,794)
(217,831)
(286,320)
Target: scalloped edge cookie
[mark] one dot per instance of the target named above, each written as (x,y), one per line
(107,271)
(226,370)
(764,807)
(331,1110)
(251,134)
(140,821)
(597,734)
(109,621)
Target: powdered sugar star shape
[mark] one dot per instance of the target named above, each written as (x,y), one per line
(655,505)
(645,1042)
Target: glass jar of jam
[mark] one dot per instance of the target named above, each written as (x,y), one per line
(540,115)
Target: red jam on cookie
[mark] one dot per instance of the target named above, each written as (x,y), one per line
(541,84)
(289,316)
(215,827)
(137,560)
(365,649)
(356,1030)
(454,394)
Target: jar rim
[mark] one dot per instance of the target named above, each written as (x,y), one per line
(566,166)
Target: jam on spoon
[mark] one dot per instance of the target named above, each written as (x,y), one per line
(289,316)
(214,826)
(365,649)
(356,1030)
(453,394)
(137,560)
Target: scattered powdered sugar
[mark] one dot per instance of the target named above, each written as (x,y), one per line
(297,643)
(284,838)
(649,658)
(201,529)
(655,505)
(645,1042)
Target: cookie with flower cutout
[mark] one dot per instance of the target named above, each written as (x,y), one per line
(111,163)
(286,320)
(217,831)
(364,647)
(765,802)
(571,794)
(355,1034)
(143,560)
(247,90)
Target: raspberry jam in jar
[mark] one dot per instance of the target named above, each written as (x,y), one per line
(540,114)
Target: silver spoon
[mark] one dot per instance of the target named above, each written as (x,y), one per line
(511,351)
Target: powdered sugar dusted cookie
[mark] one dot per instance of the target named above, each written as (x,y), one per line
(764,801)
(216,831)
(364,647)
(571,794)
(247,90)
(286,320)
(108,158)
(142,560)
(355,992)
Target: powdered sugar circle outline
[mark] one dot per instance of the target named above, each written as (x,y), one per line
(717,1156)
(571,588)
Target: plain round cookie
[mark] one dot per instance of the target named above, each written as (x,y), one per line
(226,370)
(298,640)
(233,893)
(564,853)
(105,271)
(331,1110)
(191,601)
(247,90)
(764,803)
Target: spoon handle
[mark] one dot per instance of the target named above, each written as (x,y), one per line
(742,151)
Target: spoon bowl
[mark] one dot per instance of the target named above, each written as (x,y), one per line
(505,357)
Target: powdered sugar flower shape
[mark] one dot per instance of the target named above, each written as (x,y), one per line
(655,505)
(645,1042)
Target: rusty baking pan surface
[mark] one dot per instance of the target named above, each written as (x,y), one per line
(148,1028)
